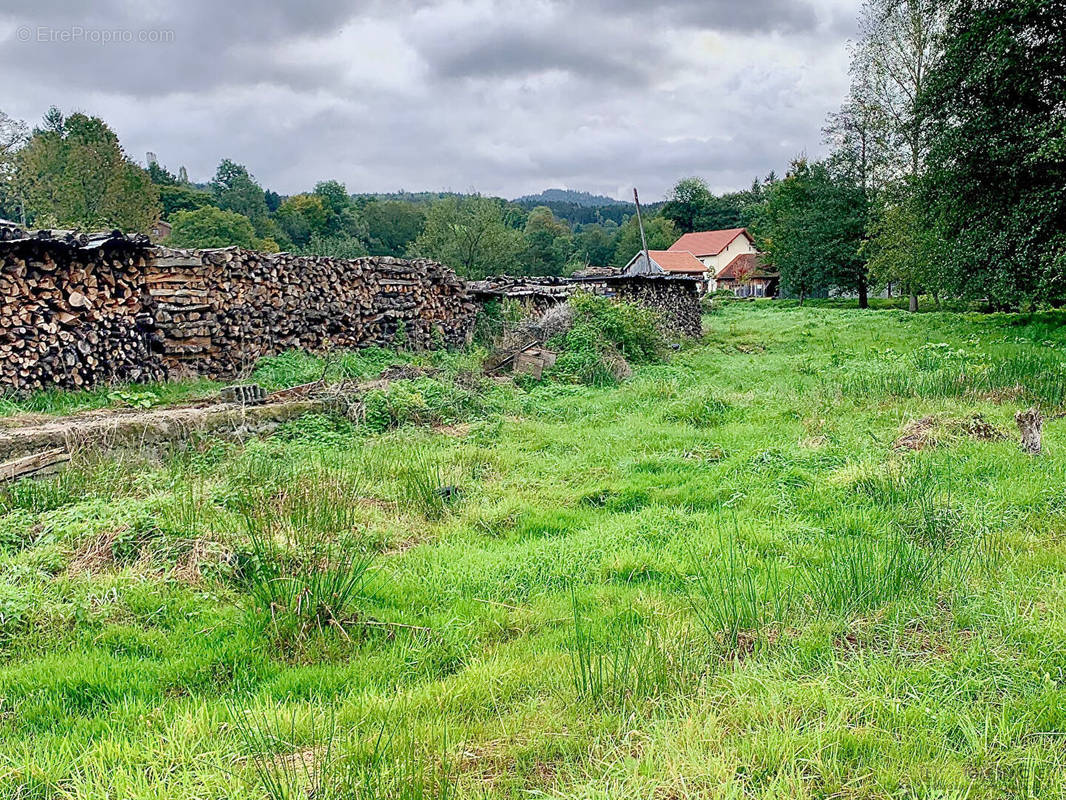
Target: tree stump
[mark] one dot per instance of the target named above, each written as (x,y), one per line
(1030,424)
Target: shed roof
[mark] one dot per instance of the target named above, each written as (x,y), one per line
(746,265)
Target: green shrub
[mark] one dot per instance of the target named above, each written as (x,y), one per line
(15,608)
(331,430)
(423,401)
(604,338)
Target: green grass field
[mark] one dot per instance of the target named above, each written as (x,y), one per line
(721,578)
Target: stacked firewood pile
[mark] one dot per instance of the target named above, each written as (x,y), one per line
(77,310)
(675,298)
(220,310)
(72,310)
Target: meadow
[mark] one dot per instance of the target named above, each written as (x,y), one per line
(806,557)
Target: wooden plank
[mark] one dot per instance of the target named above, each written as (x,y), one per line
(32,464)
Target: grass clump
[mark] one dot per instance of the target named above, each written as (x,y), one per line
(295,756)
(856,575)
(628,665)
(423,401)
(739,607)
(304,566)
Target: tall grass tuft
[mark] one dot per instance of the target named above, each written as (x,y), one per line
(1029,375)
(423,485)
(629,666)
(859,574)
(737,607)
(320,766)
(307,566)
(283,769)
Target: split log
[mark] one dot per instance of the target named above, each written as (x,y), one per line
(29,465)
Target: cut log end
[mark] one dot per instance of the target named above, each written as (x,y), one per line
(1031,425)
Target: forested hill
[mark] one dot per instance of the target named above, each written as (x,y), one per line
(577,208)
(569,196)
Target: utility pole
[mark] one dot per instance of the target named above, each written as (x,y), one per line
(643,239)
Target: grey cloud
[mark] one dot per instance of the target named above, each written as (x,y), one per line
(748,16)
(502,97)
(199,44)
(509,52)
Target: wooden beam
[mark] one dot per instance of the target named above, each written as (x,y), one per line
(32,464)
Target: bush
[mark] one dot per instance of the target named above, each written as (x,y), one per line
(604,339)
(423,401)
(713,302)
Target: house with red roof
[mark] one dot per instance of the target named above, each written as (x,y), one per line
(718,252)
(747,276)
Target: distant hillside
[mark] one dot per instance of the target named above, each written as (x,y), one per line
(569,196)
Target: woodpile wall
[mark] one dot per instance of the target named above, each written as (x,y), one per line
(76,312)
(218,311)
(676,299)
(80,310)
(74,315)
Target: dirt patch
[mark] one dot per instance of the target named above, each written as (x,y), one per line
(407,372)
(403,546)
(932,431)
(455,431)
(917,435)
(1010,394)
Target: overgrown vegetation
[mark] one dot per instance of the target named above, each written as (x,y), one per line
(604,338)
(738,573)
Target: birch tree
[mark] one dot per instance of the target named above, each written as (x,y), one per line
(886,128)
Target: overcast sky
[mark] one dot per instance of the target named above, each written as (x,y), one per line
(497,96)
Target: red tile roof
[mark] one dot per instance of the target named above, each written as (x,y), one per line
(673,261)
(746,265)
(708,243)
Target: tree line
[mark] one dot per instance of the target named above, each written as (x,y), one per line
(946,177)
(947,168)
(71,172)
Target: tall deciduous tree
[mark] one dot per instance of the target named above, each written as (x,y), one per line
(693,207)
(73,173)
(883,130)
(212,227)
(470,235)
(687,204)
(813,229)
(392,226)
(548,243)
(997,165)
(594,245)
(236,190)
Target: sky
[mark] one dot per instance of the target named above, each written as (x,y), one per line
(501,97)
